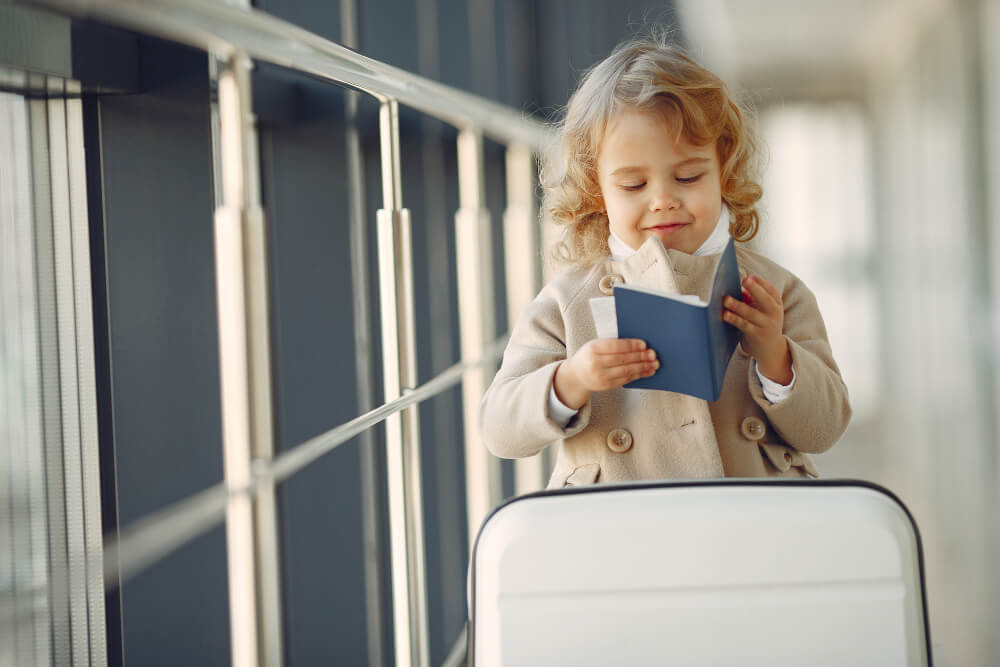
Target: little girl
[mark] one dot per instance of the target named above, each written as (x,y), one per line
(651,176)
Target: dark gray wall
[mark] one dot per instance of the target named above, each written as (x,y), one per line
(151,213)
(305,194)
(160,424)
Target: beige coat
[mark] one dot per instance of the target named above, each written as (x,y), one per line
(629,434)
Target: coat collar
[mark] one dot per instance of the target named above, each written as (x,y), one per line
(667,270)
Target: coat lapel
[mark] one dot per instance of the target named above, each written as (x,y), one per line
(671,271)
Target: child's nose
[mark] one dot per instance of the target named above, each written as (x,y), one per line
(664,199)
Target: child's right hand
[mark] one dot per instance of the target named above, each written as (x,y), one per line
(602,364)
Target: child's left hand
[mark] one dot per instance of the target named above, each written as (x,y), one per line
(760,316)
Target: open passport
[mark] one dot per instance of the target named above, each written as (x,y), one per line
(690,338)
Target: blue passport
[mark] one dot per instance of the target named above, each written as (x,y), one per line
(690,338)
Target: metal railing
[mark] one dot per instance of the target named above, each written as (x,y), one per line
(234,36)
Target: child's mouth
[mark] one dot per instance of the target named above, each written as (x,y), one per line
(668,228)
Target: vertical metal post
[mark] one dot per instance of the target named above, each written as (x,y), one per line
(24,508)
(989,22)
(474,262)
(983,18)
(53,564)
(245,365)
(371,501)
(402,430)
(437,233)
(69,381)
(521,257)
(86,376)
(49,396)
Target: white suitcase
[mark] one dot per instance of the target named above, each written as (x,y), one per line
(722,572)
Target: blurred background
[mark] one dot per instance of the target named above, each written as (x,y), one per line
(881,127)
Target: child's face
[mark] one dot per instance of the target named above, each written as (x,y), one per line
(656,183)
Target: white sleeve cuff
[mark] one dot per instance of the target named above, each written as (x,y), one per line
(773,391)
(560,413)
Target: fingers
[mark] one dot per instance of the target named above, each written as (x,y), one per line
(626,358)
(760,308)
(615,376)
(617,345)
(741,314)
(770,288)
(608,364)
(737,321)
(759,317)
(762,292)
(619,375)
(628,365)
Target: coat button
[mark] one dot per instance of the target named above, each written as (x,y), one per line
(752,428)
(608,282)
(619,440)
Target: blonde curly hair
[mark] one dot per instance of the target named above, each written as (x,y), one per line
(649,74)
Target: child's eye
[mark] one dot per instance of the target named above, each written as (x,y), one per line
(689,179)
(633,186)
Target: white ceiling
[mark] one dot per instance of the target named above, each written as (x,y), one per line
(800,48)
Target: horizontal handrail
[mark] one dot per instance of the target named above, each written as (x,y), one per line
(233,34)
(149,539)
(225,29)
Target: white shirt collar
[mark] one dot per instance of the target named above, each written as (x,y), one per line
(713,245)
